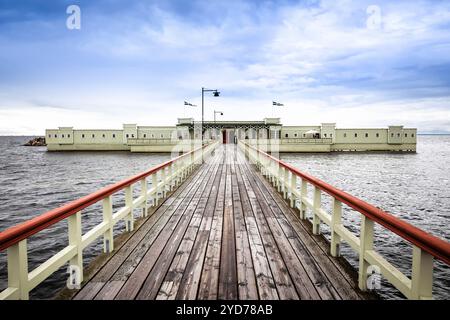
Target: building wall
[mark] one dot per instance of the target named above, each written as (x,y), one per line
(160,139)
(290,132)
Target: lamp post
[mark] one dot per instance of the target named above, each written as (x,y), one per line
(217,112)
(216,93)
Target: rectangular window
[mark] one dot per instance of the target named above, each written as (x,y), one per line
(68,136)
(162,136)
(295,135)
(114,135)
(398,135)
(412,135)
(406,135)
(325,135)
(331,135)
(286,135)
(367,135)
(345,135)
(93,135)
(377,135)
(304,135)
(127,135)
(82,135)
(356,135)
(62,136)
(49,135)
(104,136)
(392,135)
(145,136)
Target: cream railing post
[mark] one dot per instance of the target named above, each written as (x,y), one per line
(18,269)
(129,220)
(422,275)
(76,263)
(144,194)
(336,220)
(293,188)
(170,176)
(164,182)
(366,244)
(155,188)
(316,204)
(108,239)
(285,183)
(303,194)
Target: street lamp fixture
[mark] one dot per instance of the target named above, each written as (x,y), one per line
(215,93)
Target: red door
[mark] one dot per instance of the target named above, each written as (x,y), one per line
(224,136)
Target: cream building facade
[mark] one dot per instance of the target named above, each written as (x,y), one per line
(268,134)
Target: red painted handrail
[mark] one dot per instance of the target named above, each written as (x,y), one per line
(28,228)
(435,246)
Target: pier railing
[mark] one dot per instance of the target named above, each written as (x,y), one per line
(425,247)
(163,178)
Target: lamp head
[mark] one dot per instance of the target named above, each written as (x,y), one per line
(216,93)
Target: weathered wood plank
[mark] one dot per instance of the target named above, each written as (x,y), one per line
(225,233)
(179,219)
(228,269)
(245,270)
(283,281)
(190,281)
(187,229)
(181,276)
(322,269)
(306,287)
(209,285)
(141,237)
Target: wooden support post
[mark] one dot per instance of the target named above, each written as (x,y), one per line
(18,270)
(422,275)
(293,188)
(366,243)
(108,238)
(129,221)
(76,263)
(336,220)
(303,194)
(144,194)
(317,204)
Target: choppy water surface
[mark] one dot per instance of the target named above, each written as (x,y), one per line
(414,187)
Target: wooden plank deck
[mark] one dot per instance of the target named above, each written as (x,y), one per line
(225,233)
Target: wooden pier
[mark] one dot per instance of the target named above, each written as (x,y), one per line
(224,234)
(221,222)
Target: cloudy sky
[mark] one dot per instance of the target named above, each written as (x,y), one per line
(357,63)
